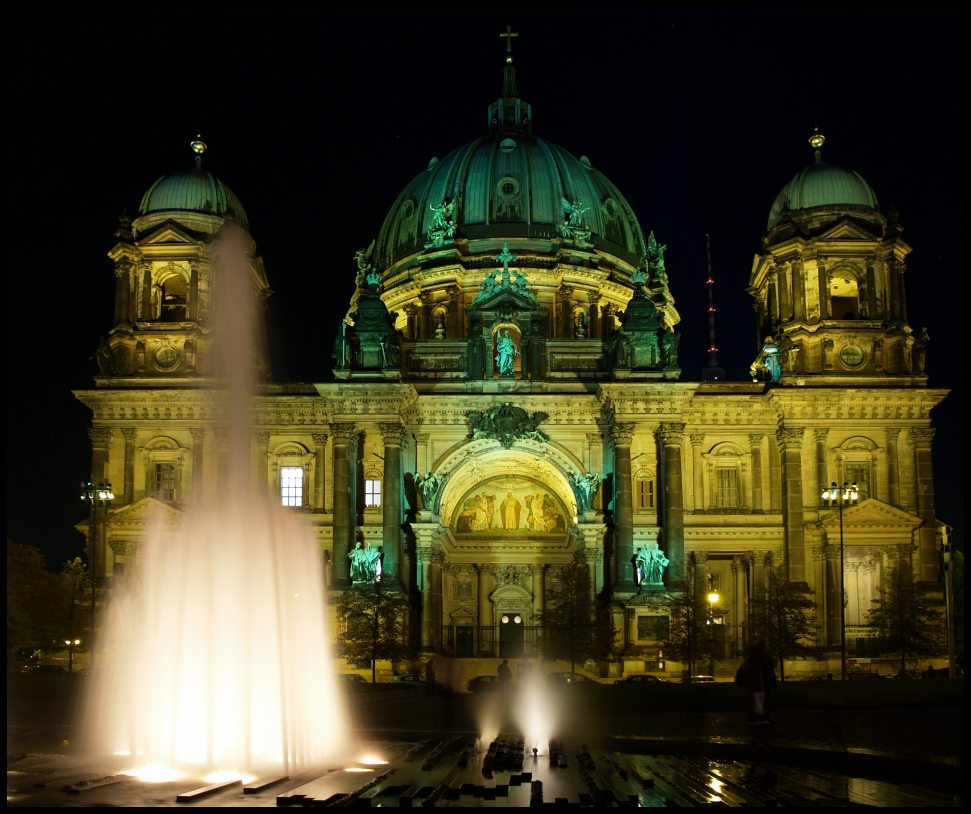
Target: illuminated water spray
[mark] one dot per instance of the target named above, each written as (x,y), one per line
(215,654)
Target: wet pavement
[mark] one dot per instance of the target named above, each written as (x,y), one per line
(899,756)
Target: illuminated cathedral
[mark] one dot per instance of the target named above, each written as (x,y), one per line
(507,401)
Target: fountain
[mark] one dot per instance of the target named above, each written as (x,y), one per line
(214,654)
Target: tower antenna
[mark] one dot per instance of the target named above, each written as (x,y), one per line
(711,372)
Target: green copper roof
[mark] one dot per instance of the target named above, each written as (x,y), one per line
(823,185)
(509,185)
(193,191)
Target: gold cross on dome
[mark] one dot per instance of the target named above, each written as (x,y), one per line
(508,34)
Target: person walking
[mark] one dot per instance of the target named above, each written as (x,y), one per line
(758,678)
(504,673)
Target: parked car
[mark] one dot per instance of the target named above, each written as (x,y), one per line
(702,679)
(569,678)
(354,679)
(489,683)
(642,679)
(410,679)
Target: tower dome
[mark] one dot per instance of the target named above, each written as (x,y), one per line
(823,185)
(193,190)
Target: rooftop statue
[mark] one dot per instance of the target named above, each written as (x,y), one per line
(583,488)
(506,424)
(572,227)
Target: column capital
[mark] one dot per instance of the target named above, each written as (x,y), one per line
(392,433)
(422,437)
(755,439)
(820,434)
(198,434)
(99,435)
(696,438)
(891,434)
(263,438)
(344,433)
(594,437)
(922,437)
(671,433)
(320,438)
(129,434)
(790,438)
(622,434)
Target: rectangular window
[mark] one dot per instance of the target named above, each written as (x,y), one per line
(165,482)
(644,489)
(858,472)
(653,628)
(372,493)
(726,488)
(291,485)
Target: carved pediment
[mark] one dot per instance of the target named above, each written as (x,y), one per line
(167,232)
(140,513)
(870,515)
(847,230)
(505,301)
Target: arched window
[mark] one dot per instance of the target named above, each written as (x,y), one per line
(164,459)
(291,465)
(844,295)
(644,489)
(856,464)
(726,489)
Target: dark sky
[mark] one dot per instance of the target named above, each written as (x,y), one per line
(318,120)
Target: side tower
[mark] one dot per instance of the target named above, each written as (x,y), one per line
(829,286)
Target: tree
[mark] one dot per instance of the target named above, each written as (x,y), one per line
(573,627)
(37,603)
(907,620)
(372,625)
(688,638)
(786,616)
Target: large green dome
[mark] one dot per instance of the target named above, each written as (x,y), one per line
(509,185)
(193,190)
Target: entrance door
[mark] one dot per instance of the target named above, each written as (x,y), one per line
(463,641)
(511,633)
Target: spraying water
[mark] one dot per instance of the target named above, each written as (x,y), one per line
(215,655)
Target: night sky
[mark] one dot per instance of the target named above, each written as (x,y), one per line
(317,121)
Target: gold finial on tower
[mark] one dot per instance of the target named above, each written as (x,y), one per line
(816,141)
(198,147)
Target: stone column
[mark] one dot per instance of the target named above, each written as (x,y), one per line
(893,466)
(563,310)
(344,435)
(100,441)
(798,293)
(623,435)
(790,444)
(594,321)
(825,312)
(698,470)
(262,459)
(927,533)
(122,292)
(820,436)
(595,463)
(537,573)
(755,441)
(775,476)
(146,314)
(193,312)
(392,434)
(670,438)
(198,475)
(320,475)
(785,302)
(128,488)
(455,319)
(486,621)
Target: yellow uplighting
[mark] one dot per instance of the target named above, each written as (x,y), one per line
(373,760)
(358,769)
(154,774)
(225,775)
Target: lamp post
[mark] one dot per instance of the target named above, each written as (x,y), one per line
(99,496)
(840,496)
(71,644)
(713,598)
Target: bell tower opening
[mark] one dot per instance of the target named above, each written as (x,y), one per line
(844,297)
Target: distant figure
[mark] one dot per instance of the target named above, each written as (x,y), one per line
(510,510)
(504,673)
(430,685)
(506,353)
(758,678)
(525,671)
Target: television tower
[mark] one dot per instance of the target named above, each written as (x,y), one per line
(712,372)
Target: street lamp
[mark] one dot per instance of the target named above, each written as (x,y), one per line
(711,621)
(840,496)
(99,496)
(71,644)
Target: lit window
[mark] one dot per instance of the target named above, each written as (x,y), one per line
(858,472)
(644,491)
(165,482)
(291,485)
(726,488)
(372,493)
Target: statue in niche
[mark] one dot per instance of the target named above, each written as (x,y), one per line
(583,488)
(581,325)
(572,225)
(440,328)
(509,511)
(365,563)
(429,484)
(622,345)
(669,346)
(649,563)
(506,353)
(767,365)
(443,225)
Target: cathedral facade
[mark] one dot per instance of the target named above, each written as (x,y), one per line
(507,401)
